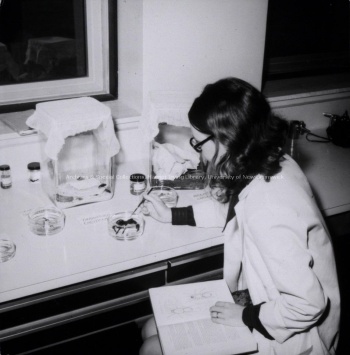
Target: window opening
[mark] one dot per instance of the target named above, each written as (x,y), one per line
(305,38)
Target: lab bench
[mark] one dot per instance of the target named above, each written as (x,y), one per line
(82,280)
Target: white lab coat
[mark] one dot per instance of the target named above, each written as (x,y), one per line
(278,247)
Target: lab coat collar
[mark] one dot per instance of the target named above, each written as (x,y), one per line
(258,178)
(244,193)
(234,203)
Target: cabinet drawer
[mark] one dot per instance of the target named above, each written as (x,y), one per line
(195,264)
(80,301)
(84,336)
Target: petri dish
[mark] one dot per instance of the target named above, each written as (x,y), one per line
(46,220)
(7,250)
(167,194)
(125,226)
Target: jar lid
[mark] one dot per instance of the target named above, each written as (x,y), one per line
(34,166)
(137,178)
(4,167)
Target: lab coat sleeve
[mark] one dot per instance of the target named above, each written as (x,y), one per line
(281,239)
(210,213)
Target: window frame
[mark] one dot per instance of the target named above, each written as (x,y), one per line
(101,81)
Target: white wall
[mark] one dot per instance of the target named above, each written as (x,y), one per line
(183,45)
(130,56)
(186,44)
(190,43)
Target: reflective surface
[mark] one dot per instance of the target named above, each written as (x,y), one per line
(167,194)
(125,226)
(35,45)
(46,220)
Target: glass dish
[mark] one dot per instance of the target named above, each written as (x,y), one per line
(167,194)
(46,220)
(7,250)
(125,226)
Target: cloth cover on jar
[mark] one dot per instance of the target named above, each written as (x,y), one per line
(64,118)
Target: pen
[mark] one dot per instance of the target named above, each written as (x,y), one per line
(142,201)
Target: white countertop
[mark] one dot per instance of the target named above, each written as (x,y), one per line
(327,168)
(83,252)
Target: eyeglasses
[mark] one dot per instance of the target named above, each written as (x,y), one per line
(197,146)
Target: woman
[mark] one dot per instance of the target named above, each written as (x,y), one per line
(277,247)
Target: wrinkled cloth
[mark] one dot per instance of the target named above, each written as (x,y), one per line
(169,161)
(170,107)
(60,119)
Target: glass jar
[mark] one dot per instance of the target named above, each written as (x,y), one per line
(34,171)
(6,180)
(78,144)
(138,184)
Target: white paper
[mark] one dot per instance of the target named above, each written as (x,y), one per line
(184,323)
(95,218)
(181,303)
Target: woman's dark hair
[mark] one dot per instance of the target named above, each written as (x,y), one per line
(240,118)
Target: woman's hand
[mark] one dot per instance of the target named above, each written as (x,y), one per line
(227,313)
(155,207)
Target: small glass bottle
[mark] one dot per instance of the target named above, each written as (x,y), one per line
(6,179)
(138,184)
(34,171)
